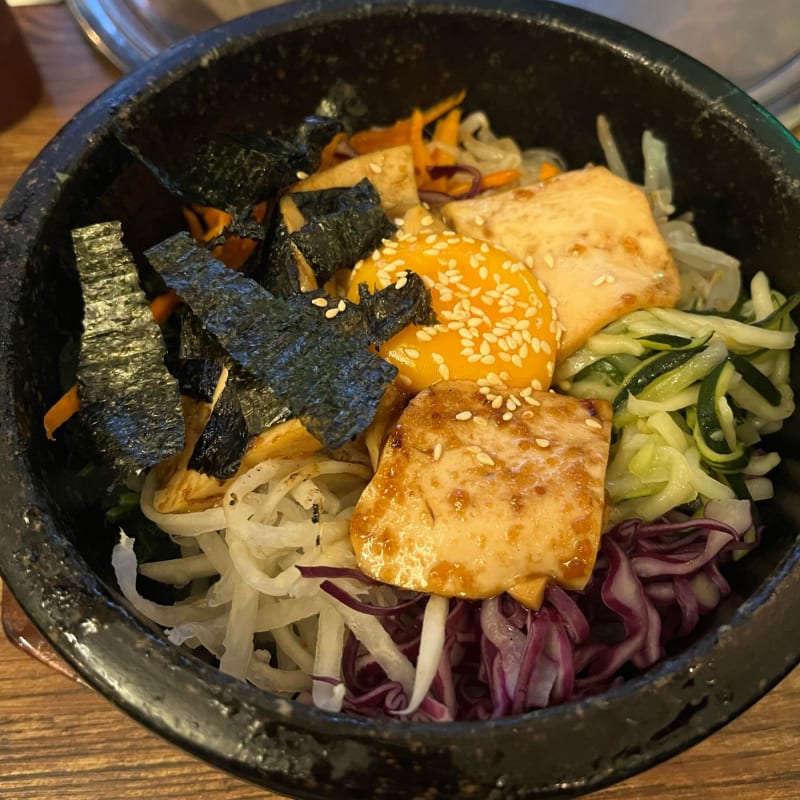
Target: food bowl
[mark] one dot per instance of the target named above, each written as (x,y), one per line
(543,73)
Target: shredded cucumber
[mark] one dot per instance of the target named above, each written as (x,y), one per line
(693,395)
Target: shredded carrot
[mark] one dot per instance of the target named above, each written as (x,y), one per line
(372,139)
(66,406)
(194,223)
(493,180)
(328,157)
(418,148)
(443,106)
(446,130)
(163,305)
(548,170)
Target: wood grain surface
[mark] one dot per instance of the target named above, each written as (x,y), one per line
(59,739)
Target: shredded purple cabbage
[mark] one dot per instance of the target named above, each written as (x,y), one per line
(651,585)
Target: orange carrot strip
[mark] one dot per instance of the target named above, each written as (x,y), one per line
(163,305)
(372,139)
(548,170)
(443,106)
(66,406)
(418,147)
(193,222)
(446,130)
(500,178)
(328,157)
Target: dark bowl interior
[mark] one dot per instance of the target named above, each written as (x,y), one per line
(543,73)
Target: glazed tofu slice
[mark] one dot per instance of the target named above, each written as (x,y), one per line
(479,492)
(588,236)
(391,171)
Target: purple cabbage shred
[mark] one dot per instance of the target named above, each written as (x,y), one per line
(651,585)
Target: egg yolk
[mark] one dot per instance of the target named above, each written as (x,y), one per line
(494,316)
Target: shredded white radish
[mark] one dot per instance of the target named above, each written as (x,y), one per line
(431,647)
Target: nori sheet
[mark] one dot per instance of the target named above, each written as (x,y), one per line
(276,267)
(258,403)
(320,366)
(342,226)
(224,439)
(235,171)
(129,401)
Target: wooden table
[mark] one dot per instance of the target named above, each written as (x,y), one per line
(58,739)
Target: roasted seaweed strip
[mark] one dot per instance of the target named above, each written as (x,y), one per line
(224,439)
(260,407)
(234,172)
(314,357)
(129,401)
(342,226)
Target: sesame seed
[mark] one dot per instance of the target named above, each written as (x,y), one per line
(401,282)
(319,302)
(610,279)
(301,176)
(438,358)
(437,451)
(528,414)
(412,353)
(430,252)
(531,401)
(464,415)
(497,402)
(549,260)
(331,313)
(404,379)
(543,442)
(485,389)
(427,220)
(599,280)
(508,416)
(593,423)
(475,357)
(444,372)
(376,168)
(479,220)
(516,361)
(489,359)
(423,336)
(479,421)
(341,305)
(483,273)
(485,459)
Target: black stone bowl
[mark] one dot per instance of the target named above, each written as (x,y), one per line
(542,72)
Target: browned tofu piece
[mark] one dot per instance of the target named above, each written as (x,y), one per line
(474,496)
(391,171)
(589,237)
